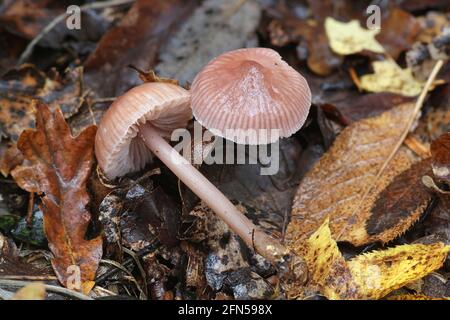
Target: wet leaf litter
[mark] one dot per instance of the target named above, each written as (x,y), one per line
(360,198)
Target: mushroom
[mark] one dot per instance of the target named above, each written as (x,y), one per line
(133,129)
(244,94)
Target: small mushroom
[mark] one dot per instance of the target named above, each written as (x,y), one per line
(243,94)
(133,129)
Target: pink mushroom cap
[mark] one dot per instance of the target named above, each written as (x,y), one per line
(244,94)
(118,147)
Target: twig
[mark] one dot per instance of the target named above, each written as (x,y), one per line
(103,100)
(29,278)
(139,265)
(150,248)
(29,218)
(417,107)
(94,5)
(51,288)
(130,275)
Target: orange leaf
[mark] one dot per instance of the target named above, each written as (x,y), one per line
(57,166)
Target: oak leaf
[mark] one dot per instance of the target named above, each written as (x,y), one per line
(371,275)
(343,185)
(349,37)
(57,166)
(389,77)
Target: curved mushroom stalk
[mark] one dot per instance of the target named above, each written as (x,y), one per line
(265,245)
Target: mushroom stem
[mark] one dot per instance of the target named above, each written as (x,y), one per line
(254,237)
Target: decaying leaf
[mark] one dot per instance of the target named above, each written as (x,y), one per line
(415,297)
(354,108)
(11,263)
(18,87)
(389,77)
(367,276)
(9,159)
(349,37)
(335,186)
(440,153)
(214,28)
(310,36)
(33,291)
(135,40)
(57,167)
(398,31)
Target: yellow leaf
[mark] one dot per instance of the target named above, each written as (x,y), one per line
(414,297)
(389,77)
(349,37)
(368,276)
(33,291)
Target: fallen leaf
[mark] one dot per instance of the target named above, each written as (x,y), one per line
(57,167)
(214,28)
(135,40)
(12,265)
(310,36)
(27,18)
(415,297)
(422,57)
(420,5)
(9,159)
(389,77)
(440,153)
(431,25)
(350,38)
(400,204)
(398,32)
(18,87)
(354,108)
(336,184)
(33,291)
(370,275)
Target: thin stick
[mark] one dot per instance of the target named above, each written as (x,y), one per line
(417,107)
(51,288)
(94,5)
(29,218)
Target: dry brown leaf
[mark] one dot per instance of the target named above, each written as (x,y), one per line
(57,166)
(309,34)
(136,39)
(398,31)
(9,159)
(414,297)
(336,185)
(18,87)
(440,153)
(367,276)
